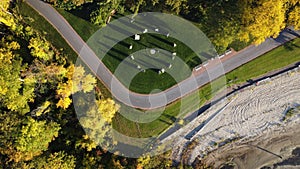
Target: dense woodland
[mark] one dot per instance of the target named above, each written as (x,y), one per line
(38,124)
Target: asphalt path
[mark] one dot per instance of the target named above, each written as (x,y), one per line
(151,101)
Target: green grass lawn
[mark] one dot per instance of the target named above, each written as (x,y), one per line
(145,82)
(273,60)
(38,23)
(84,28)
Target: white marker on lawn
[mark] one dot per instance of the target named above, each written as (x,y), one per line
(137,37)
(152,51)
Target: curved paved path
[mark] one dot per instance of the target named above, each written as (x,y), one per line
(142,101)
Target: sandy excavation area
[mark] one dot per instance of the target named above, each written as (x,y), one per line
(274,149)
(256,113)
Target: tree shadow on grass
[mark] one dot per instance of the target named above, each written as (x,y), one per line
(159,61)
(290,46)
(145,64)
(114,49)
(161,39)
(168,123)
(133,26)
(172,118)
(120,30)
(157,46)
(117,41)
(116,54)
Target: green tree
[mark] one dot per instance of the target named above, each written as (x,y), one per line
(105,9)
(68,4)
(34,138)
(135,7)
(221,21)
(58,160)
(11,95)
(10,124)
(22,139)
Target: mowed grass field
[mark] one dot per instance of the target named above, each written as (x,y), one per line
(145,82)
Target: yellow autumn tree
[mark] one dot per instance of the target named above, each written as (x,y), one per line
(107,108)
(143,161)
(40,48)
(77,80)
(176,5)
(64,102)
(5,16)
(262,19)
(96,117)
(86,143)
(294,17)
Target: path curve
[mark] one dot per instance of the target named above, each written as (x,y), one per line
(174,93)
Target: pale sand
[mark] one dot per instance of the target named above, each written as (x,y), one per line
(246,154)
(256,112)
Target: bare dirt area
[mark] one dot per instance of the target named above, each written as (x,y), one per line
(252,129)
(273,149)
